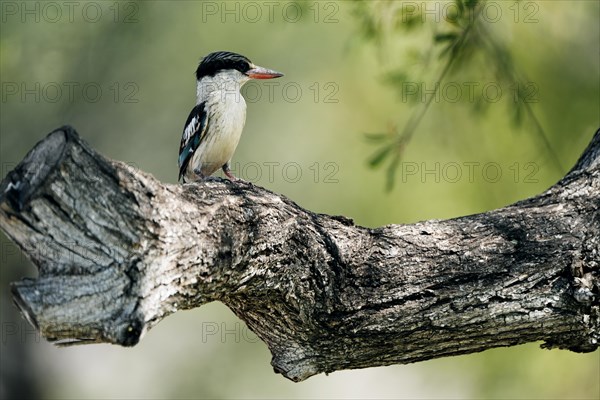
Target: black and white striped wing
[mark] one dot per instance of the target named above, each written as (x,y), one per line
(194,132)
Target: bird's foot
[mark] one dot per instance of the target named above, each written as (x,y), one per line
(228,174)
(231,177)
(199,176)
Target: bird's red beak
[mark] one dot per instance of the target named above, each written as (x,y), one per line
(263,73)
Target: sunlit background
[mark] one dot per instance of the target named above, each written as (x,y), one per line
(123,75)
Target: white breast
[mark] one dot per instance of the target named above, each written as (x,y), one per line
(226,109)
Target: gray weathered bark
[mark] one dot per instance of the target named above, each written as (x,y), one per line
(117,251)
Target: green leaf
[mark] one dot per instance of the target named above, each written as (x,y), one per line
(452,16)
(368,26)
(376,137)
(446,50)
(396,78)
(517,115)
(445,37)
(409,17)
(380,156)
(471,3)
(391,173)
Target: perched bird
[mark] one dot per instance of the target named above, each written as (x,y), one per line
(213,128)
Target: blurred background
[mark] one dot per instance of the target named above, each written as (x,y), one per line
(122,73)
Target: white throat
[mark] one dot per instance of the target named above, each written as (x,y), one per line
(225,85)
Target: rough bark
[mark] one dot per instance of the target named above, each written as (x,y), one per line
(117,251)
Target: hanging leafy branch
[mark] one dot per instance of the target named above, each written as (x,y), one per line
(461,42)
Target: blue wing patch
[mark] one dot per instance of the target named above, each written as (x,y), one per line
(193,133)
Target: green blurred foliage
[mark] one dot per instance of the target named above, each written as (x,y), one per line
(347,60)
(464,41)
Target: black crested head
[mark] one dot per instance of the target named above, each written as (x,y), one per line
(222,60)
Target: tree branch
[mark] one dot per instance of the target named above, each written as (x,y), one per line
(117,251)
